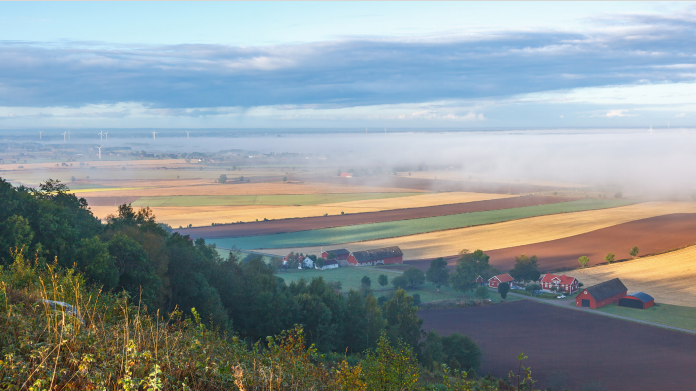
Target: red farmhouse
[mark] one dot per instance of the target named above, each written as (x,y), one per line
(608,292)
(562,283)
(341,254)
(480,280)
(638,300)
(494,281)
(380,256)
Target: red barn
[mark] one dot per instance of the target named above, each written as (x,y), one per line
(347,174)
(341,254)
(480,280)
(608,292)
(638,300)
(494,281)
(562,283)
(380,256)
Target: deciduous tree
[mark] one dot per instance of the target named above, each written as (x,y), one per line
(503,289)
(526,268)
(438,273)
(469,267)
(634,251)
(583,260)
(415,277)
(609,258)
(383,280)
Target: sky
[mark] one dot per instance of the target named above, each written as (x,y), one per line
(428,65)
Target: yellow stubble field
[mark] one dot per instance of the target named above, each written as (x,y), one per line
(206,215)
(668,277)
(511,233)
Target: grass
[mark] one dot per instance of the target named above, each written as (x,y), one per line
(350,278)
(272,199)
(243,254)
(364,232)
(669,315)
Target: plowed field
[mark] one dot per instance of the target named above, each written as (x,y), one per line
(293,225)
(511,233)
(652,235)
(622,355)
(668,277)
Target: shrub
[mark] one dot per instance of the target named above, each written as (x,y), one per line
(482,292)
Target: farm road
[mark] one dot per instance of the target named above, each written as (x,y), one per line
(311,223)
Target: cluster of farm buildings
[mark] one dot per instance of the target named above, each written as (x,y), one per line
(342,257)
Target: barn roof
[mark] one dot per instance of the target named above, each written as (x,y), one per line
(565,280)
(330,262)
(644,297)
(377,254)
(339,251)
(503,278)
(607,289)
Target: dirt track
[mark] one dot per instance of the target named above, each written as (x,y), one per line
(651,235)
(622,355)
(309,223)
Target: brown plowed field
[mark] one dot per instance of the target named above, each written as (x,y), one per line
(622,355)
(108,201)
(309,223)
(653,235)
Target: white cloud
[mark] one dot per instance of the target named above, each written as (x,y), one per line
(680,115)
(618,113)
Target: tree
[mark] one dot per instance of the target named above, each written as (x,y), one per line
(390,366)
(482,292)
(438,273)
(526,268)
(416,299)
(95,262)
(400,282)
(634,251)
(135,273)
(383,280)
(415,277)
(319,262)
(402,321)
(366,282)
(463,349)
(583,260)
(503,289)
(285,179)
(433,351)
(618,195)
(469,267)
(610,257)
(222,178)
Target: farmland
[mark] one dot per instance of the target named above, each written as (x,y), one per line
(651,235)
(513,233)
(364,232)
(279,200)
(666,314)
(205,215)
(282,226)
(667,277)
(622,355)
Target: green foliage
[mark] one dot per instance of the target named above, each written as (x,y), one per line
(583,260)
(390,366)
(469,267)
(610,257)
(366,282)
(402,321)
(415,277)
(634,251)
(526,268)
(222,178)
(400,282)
(94,259)
(416,299)
(383,280)
(438,273)
(463,349)
(482,292)
(503,289)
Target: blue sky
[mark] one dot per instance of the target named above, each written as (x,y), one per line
(357,64)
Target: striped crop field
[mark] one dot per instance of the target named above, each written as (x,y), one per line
(273,199)
(363,232)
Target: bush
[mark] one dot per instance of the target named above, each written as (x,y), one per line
(482,292)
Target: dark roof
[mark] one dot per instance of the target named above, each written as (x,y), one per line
(644,297)
(330,262)
(607,289)
(339,251)
(377,254)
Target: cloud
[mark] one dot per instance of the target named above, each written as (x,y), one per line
(618,113)
(353,72)
(680,115)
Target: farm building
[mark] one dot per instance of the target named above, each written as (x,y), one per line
(480,280)
(562,283)
(380,256)
(638,300)
(306,264)
(494,281)
(597,296)
(347,174)
(330,264)
(341,254)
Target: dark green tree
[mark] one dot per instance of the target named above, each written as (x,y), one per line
(135,273)
(383,280)
(433,351)
(402,321)
(94,261)
(400,282)
(503,289)
(469,267)
(415,277)
(634,251)
(526,268)
(482,292)
(365,282)
(222,178)
(438,273)
(463,349)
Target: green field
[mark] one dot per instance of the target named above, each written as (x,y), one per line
(272,200)
(362,232)
(350,279)
(243,254)
(669,315)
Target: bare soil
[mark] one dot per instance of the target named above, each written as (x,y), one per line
(309,223)
(622,355)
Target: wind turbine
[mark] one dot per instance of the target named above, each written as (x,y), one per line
(64,134)
(365,130)
(187,133)
(651,130)
(40,131)
(385,130)
(100,147)
(106,135)
(68,135)
(153,135)
(101,135)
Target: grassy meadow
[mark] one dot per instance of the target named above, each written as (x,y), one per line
(666,314)
(363,232)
